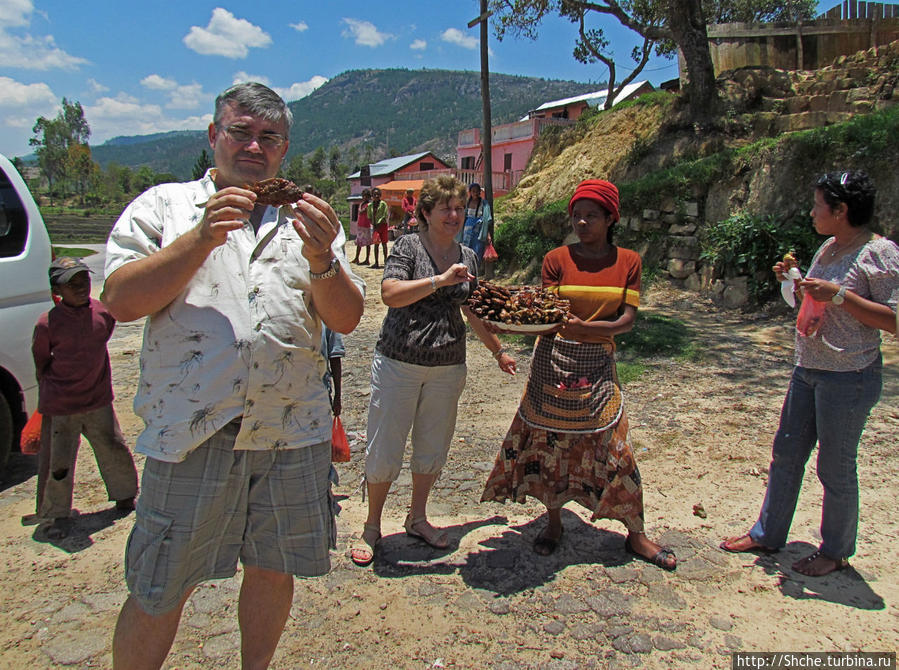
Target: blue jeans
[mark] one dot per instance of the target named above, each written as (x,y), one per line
(829,408)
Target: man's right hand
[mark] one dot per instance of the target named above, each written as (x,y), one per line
(228,209)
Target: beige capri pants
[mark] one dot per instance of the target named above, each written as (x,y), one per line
(404,396)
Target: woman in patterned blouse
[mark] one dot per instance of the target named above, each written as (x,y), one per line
(418,371)
(853,280)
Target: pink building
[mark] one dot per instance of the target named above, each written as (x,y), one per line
(513,143)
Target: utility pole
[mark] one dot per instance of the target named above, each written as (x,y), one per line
(487,132)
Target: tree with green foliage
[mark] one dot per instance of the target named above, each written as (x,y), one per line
(296,170)
(203,163)
(317,163)
(53,139)
(334,162)
(80,168)
(665,26)
(51,150)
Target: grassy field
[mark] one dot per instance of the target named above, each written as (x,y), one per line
(66,228)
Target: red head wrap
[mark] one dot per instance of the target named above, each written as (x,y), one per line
(599,190)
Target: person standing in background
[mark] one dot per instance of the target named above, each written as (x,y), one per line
(75,398)
(377,214)
(363,229)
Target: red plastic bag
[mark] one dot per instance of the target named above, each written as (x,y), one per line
(811,312)
(490,254)
(340,447)
(30,441)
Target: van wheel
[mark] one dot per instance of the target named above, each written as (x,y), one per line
(6,431)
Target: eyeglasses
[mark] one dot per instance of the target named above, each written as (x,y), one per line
(265,140)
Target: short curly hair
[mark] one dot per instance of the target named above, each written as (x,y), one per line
(441,189)
(852,187)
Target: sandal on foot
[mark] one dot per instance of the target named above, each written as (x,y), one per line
(364,554)
(831,564)
(435,537)
(545,545)
(744,543)
(662,558)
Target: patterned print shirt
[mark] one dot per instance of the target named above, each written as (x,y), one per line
(242,339)
(843,343)
(431,331)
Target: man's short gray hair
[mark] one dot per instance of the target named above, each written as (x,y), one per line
(256,99)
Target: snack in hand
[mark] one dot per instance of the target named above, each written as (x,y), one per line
(276,192)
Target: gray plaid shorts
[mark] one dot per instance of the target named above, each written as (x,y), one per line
(195,519)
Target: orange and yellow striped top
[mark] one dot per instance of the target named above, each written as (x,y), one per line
(598,288)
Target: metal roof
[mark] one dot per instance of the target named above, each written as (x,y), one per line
(594,99)
(391,165)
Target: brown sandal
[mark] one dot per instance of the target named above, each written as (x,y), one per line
(435,537)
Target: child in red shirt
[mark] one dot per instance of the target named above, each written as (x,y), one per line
(75,398)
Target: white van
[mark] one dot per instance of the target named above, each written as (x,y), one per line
(25,256)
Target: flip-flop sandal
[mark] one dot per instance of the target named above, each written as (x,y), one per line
(439,539)
(544,546)
(731,545)
(660,559)
(364,554)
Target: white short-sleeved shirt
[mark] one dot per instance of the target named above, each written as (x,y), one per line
(242,339)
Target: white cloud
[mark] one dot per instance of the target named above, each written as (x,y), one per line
(293,92)
(15,12)
(16,94)
(457,37)
(300,26)
(96,86)
(241,77)
(187,96)
(181,96)
(20,106)
(226,36)
(301,89)
(157,83)
(126,115)
(365,33)
(418,45)
(35,53)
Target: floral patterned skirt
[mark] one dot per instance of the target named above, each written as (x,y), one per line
(595,470)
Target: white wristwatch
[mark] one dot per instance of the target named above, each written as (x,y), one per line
(839,296)
(333,267)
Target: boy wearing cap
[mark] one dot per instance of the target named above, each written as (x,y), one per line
(75,397)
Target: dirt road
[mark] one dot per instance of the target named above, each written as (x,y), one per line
(701,430)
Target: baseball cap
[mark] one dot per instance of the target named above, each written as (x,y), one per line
(62,269)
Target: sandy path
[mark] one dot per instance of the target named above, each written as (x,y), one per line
(702,431)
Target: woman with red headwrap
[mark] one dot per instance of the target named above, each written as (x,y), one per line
(569,439)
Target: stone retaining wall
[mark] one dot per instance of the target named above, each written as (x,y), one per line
(780,101)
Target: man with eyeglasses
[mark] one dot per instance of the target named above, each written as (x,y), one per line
(237,422)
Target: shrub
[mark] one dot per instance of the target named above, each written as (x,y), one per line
(746,244)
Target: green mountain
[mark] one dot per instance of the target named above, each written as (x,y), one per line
(370,113)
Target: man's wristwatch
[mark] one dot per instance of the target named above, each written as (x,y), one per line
(839,296)
(332,270)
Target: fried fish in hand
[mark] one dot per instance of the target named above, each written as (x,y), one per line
(276,192)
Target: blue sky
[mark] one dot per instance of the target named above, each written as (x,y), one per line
(156,65)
